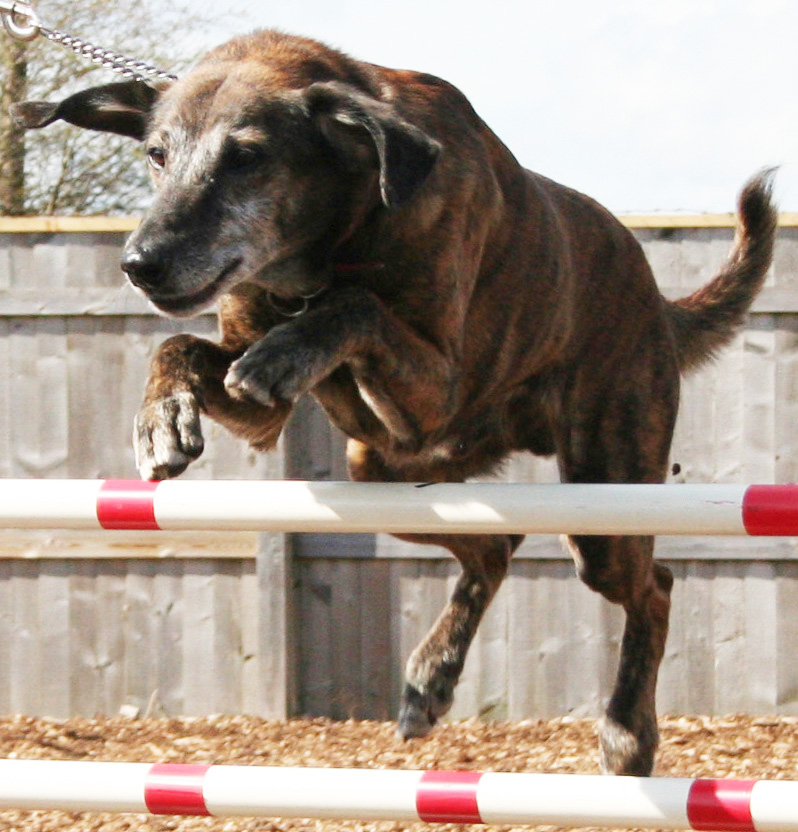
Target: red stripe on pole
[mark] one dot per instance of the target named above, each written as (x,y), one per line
(448,797)
(127,504)
(721,805)
(771,510)
(172,789)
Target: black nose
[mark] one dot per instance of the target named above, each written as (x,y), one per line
(145,267)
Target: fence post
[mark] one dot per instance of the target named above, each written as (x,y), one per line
(276,632)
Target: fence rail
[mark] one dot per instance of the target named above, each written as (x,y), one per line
(400,795)
(396,508)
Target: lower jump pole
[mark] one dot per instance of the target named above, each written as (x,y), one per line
(471,508)
(385,794)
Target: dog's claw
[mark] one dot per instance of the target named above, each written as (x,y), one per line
(167,437)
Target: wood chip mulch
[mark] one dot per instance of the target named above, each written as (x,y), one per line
(735,746)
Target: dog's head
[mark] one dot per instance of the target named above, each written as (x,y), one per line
(265,159)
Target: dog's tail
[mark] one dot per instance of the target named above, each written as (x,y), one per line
(709,318)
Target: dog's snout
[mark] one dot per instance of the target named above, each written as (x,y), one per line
(144,266)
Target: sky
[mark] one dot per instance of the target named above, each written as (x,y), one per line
(645,106)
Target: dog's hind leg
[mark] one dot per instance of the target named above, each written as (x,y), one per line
(434,667)
(622,570)
(622,433)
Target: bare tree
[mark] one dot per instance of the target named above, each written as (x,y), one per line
(63,170)
(13,85)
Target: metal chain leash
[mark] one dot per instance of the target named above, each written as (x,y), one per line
(126,67)
(22,23)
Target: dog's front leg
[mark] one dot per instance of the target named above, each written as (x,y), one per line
(407,379)
(186,378)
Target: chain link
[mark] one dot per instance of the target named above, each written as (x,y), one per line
(126,67)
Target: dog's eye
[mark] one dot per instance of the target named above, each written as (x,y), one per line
(244,157)
(156,156)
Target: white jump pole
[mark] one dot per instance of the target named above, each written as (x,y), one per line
(471,508)
(384,794)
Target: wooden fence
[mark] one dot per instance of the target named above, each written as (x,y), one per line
(184,623)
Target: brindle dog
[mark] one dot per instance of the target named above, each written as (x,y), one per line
(371,242)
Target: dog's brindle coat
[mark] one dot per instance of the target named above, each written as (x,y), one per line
(370,241)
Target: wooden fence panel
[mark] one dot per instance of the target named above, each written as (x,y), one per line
(86,637)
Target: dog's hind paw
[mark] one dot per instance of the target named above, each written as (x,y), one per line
(167,436)
(624,752)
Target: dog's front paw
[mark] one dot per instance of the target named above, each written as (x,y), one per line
(279,368)
(167,436)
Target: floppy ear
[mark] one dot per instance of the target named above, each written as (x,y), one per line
(112,108)
(406,154)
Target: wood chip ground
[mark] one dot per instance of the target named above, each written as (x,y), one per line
(735,746)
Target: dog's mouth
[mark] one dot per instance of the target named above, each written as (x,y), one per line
(186,305)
